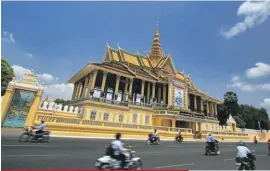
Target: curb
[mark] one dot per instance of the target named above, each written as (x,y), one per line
(108,138)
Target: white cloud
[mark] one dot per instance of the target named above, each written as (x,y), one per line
(250,87)
(53,91)
(62,91)
(43,78)
(29,55)
(19,71)
(235,78)
(46,77)
(8,37)
(260,70)
(266,103)
(254,12)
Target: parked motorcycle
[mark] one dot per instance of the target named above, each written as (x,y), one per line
(108,163)
(246,163)
(152,140)
(210,151)
(30,135)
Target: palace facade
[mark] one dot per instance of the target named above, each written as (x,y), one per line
(143,90)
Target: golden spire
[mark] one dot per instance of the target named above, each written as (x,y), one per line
(156,51)
(47,99)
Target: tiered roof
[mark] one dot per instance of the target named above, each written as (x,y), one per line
(154,67)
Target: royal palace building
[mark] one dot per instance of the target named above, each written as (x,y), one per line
(146,90)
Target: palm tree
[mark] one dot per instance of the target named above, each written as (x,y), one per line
(230,97)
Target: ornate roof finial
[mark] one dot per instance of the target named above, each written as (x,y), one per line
(156,51)
(137,51)
(118,45)
(90,60)
(107,44)
(47,98)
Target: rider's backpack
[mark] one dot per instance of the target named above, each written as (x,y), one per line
(109,151)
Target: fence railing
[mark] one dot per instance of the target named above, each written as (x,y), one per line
(224,133)
(79,121)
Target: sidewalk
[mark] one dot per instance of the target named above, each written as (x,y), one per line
(16,132)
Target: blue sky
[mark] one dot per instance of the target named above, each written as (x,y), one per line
(211,41)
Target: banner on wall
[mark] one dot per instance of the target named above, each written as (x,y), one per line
(179,97)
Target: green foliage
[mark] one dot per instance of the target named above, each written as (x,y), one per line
(6,75)
(246,116)
(231,102)
(223,114)
(62,101)
(239,122)
(251,116)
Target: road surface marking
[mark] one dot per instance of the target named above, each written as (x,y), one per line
(175,146)
(29,145)
(175,165)
(259,155)
(34,155)
(228,159)
(145,152)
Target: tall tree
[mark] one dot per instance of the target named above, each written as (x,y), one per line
(6,75)
(231,102)
(223,114)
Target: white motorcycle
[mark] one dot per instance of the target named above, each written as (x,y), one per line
(108,163)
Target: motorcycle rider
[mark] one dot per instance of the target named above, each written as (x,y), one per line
(155,134)
(255,140)
(119,150)
(179,136)
(40,128)
(211,141)
(243,152)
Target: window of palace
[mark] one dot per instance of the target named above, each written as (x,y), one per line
(147,119)
(134,118)
(109,94)
(121,118)
(93,115)
(119,97)
(138,99)
(97,92)
(106,116)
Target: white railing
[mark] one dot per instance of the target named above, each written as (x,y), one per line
(52,106)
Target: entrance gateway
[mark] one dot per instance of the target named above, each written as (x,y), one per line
(19,108)
(21,101)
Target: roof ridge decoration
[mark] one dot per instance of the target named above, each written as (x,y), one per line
(153,76)
(108,56)
(127,67)
(162,66)
(156,51)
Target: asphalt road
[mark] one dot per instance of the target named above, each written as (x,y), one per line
(64,153)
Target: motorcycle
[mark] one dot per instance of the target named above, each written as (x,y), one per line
(179,139)
(30,135)
(246,163)
(152,140)
(108,163)
(209,150)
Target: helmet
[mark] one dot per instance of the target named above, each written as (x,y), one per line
(118,135)
(242,143)
(209,134)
